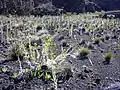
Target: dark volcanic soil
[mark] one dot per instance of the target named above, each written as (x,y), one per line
(99,76)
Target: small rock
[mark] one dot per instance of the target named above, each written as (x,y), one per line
(97,81)
(115,86)
(107,37)
(86,69)
(82,42)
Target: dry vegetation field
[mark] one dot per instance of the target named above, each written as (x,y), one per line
(66,52)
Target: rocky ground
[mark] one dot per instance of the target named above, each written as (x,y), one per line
(45,7)
(92,72)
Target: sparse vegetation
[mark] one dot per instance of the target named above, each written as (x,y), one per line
(108,58)
(97,41)
(40,54)
(84,52)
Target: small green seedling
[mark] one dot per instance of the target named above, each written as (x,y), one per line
(4,69)
(15,74)
(47,76)
(108,57)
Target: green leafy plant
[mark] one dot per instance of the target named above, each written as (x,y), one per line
(42,72)
(15,75)
(47,76)
(4,69)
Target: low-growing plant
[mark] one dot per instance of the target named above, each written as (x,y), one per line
(15,75)
(42,72)
(17,51)
(108,57)
(97,41)
(25,52)
(84,52)
(3,69)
